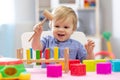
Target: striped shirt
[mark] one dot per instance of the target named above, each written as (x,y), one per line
(76,49)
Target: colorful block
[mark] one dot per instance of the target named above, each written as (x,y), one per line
(63,65)
(90,65)
(28,55)
(73,62)
(47,54)
(104,68)
(115,65)
(100,60)
(56,53)
(38,56)
(54,70)
(78,69)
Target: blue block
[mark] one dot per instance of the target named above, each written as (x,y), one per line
(115,65)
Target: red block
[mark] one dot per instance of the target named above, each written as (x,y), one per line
(73,62)
(78,69)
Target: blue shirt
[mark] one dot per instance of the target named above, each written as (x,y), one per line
(76,49)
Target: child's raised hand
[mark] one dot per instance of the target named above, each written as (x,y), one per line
(38,29)
(90,46)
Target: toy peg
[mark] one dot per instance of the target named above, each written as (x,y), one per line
(66,57)
(28,56)
(47,15)
(47,54)
(31,53)
(38,56)
(20,53)
(56,53)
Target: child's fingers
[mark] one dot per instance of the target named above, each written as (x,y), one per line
(91,43)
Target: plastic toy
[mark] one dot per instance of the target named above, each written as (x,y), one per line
(104,68)
(108,53)
(73,61)
(78,69)
(107,36)
(115,65)
(54,70)
(12,69)
(90,65)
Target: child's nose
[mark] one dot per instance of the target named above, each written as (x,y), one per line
(61,29)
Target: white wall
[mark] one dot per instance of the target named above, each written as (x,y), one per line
(24,19)
(110,15)
(116,25)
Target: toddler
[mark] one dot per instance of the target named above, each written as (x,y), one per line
(62,27)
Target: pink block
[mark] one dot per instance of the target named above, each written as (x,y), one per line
(104,68)
(54,70)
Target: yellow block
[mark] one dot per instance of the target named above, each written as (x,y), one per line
(90,65)
(100,60)
(56,53)
(28,55)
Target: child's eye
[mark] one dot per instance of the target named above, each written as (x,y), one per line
(66,27)
(57,26)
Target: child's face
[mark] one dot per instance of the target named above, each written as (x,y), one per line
(62,30)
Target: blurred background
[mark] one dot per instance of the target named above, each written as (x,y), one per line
(19,16)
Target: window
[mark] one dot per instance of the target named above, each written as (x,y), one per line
(6,11)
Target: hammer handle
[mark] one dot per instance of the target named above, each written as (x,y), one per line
(35,32)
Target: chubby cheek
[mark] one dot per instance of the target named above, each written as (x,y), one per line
(54,32)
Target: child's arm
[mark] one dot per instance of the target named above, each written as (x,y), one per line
(36,44)
(90,47)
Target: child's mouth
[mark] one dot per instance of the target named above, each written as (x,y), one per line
(61,35)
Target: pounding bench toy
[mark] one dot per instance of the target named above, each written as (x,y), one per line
(47,15)
(64,60)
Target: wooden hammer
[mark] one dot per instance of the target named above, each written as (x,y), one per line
(47,15)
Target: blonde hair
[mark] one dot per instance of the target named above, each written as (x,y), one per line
(63,12)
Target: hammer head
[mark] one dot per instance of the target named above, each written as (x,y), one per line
(47,14)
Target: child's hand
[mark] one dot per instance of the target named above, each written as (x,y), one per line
(90,47)
(38,29)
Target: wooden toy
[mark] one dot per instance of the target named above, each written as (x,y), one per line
(78,69)
(47,54)
(54,70)
(75,61)
(103,68)
(31,53)
(52,60)
(20,53)
(47,15)
(13,69)
(90,65)
(38,56)
(28,55)
(56,53)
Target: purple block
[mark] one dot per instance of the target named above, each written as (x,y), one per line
(104,68)
(54,70)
